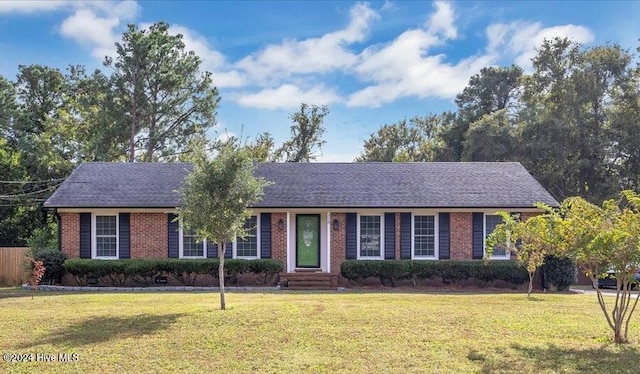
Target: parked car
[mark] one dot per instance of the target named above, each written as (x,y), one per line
(609,281)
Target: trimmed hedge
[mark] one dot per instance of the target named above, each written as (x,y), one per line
(390,272)
(559,272)
(145,271)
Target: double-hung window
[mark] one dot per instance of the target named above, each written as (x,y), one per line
(424,237)
(248,247)
(106,236)
(370,237)
(490,223)
(191,246)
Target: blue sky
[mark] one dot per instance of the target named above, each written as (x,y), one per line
(371,62)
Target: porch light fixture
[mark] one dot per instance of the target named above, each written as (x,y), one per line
(280,224)
(336,224)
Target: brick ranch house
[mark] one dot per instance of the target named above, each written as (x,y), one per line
(313,217)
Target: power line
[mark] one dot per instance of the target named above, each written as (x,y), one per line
(27,194)
(33,182)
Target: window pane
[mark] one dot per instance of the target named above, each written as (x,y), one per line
(424,230)
(370,236)
(106,246)
(105,225)
(248,247)
(191,247)
(491,222)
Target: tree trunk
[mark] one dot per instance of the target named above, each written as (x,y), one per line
(530,285)
(132,137)
(221,250)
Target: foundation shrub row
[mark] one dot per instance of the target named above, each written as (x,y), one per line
(149,272)
(390,273)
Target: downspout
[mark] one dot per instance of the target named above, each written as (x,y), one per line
(59,220)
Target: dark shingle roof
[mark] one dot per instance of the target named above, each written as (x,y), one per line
(317,185)
(119,185)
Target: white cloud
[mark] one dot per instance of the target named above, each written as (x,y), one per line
(288,96)
(96,25)
(405,68)
(519,39)
(225,136)
(22,6)
(442,21)
(314,55)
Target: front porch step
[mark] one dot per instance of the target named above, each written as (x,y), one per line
(310,281)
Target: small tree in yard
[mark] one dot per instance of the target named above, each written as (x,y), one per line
(535,238)
(602,239)
(217,196)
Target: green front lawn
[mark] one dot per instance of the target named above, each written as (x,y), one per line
(312,332)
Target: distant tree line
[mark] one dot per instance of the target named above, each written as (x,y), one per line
(573,122)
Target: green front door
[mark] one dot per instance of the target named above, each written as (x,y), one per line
(308,240)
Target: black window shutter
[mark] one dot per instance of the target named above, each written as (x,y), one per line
(444,240)
(124,236)
(85,235)
(405,236)
(350,236)
(265,235)
(228,251)
(389,236)
(173,233)
(478,236)
(212,250)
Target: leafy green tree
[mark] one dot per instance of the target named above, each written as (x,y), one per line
(576,106)
(412,140)
(306,134)
(8,106)
(217,196)
(600,239)
(164,98)
(100,135)
(493,89)
(490,138)
(531,240)
(45,141)
(262,149)
(14,213)
(40,146)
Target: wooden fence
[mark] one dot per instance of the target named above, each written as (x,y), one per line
(12,272)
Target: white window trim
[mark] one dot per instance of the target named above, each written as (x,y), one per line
(181,246)
(507,253)
(436,246)
(235,242)
(381,257)
(94,239)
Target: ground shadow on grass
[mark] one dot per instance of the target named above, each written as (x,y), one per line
(101,329)
(13,292)
(608,358)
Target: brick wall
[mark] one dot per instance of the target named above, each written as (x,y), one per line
(338,242)
(279,238)
(149,235)
(70,224)
(461,236)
